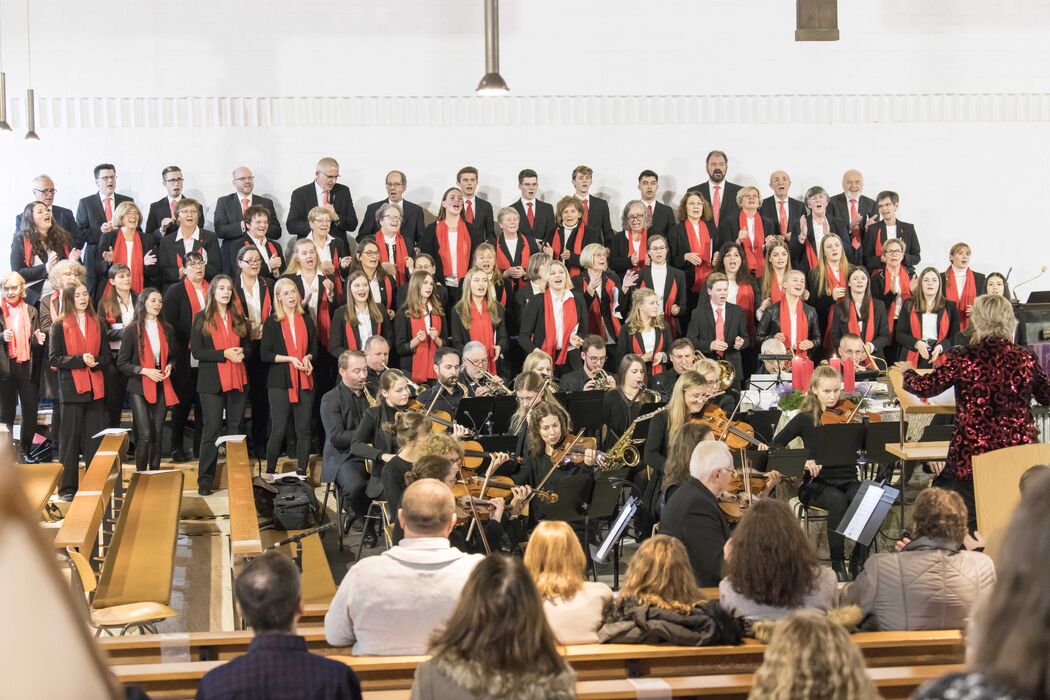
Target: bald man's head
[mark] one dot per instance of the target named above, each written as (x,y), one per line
(427,509)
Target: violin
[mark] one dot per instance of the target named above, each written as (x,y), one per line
(474,455)
(739,495)
(442,420)
(468,496)
(735,433)
(847,411)
(573,448)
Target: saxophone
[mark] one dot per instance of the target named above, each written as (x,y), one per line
(368,395)
(623,453)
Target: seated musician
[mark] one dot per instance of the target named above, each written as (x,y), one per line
(377,354)
(446,391)
(473,371)
(683,357)
(527,389)
(341,411)
(851,347)
(410,427)
(624,402)
(828,486)
(594,355)
(775,346)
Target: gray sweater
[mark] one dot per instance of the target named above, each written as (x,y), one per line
(822,597)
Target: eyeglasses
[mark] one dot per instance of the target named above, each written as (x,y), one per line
(176,179)
(392,217)
(370,253)
(12,289)
(635,217)
(51,190)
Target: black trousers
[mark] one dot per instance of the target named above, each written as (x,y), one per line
(51,390)
(259,401)
(326,373)
(963,487)
(214,405)
(834,497)
(352,480)
(186,387)
(149,425)
(20,388)
(80,421)
(116,386)
(280,409)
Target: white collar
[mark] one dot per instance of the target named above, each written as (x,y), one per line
(425,543)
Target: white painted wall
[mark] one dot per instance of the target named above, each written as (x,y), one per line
(939,101)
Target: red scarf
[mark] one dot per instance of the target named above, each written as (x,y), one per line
(324,318)
(351,338)
(481,331)
(916,332)
(17,347)
(964,298)
(300,381)
(264,308)
(195,303)
(811,252)
(504,263)
(801,325)
(232,375)
(658,347)
(120,255)
(270,247)
(180,249)
(884,232)
(699,243)
(569,322)
(462,251)
(27,248)
(756,258)
(89,342)
(400,254)
(831,280)
(337,278)
(577,239)
(596,320)
(149,387)
(745,299)
(887,288)
(776,291)
(642,250)
(669,301)
(555,242)
(423,357)
(854,322)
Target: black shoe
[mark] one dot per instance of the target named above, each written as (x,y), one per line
(840,571)
(204,490)
(179,456)
(67,497)
(370,538)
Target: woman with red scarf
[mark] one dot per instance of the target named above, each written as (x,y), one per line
(359,319)
(645,332)
(420,328)
(605,296)
(928,322)
(126,245)
(317,291)
(743,291)
(669,284)
(862,315)
(778,263)
(827,283)
(38,244)
(183,302)
(117,309)
(693,244)
(449,241)
(961,284)
(146,358)
(556,322)
(289,345)
(255,302)
(791,321)
(20,330)
(333,259)
(814,226)
(220,340)
(395,254)
(891,284)
(477,316)
(513,249)
(748,228)
(570,236)
(382,285)
(629,248)
(79,352)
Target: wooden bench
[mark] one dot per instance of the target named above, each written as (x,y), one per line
(38,482)
(96,498)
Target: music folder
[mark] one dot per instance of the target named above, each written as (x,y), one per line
(865,514)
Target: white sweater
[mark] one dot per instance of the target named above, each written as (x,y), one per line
(576,620)
(390,604)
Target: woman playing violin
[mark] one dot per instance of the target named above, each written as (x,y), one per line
(550,432)
(409,429)
(691,395)
(829,486)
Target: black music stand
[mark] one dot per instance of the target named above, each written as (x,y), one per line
(605,501)
(880,434)
(790,463)
(585,410)
(838,444)
(500,443)
(476,413)
(864,517)
(574,494)
(765,423)
(503,409)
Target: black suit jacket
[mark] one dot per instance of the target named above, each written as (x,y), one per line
(203,348)
(692,515)
(879,321)
(90,217)
(129,361)
(340,342)
(599,223)
(545,222)
(160,210)
(305,198)
(61,360)
(231,249)
(769,325)
(905,232)
(228,218)
(64,218)
(534,331)
(838,207)
(272,345)
(341,413)
(702,333)
(179,313)
(771,210)
(413,222)
(728,207)
(484,226)
(429,245)
(171,251)
(150,273)
(663,219)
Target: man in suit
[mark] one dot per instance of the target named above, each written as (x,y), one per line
(889,226)
(683,357)
(44,192)
(324,190)
(377,357)
(412,218)
(721,193)
(95,217)
(537,218)
(230,225)
(161,217)
(661,216)
(693,516)
(341,411)
(278,663)
(719,328)
(853,207)
(781,208)
(596,217)
(477,212)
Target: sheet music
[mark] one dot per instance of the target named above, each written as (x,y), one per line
(864,510)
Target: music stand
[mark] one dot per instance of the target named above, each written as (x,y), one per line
(476,413)
(501,443)
(838,444)
(880,434)
(765,423)
(584,409)
(788,462)
(503,409)
(865,514)
(574,493)
(605,499)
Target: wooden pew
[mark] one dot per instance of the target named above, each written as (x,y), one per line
(94,500)
(38,482)
(244,523)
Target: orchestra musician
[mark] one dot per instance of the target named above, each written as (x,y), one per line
(604,294)
(791,321)
(21,333)
(693,244)
(646,332)
(624,402)
(928,322)
(446,391)
(557,322)
(475,362)
(683,357)
(359,318)
(586,378)
(860,314)
(254,299)
(117,309)
(342,410)
(420,327)
(183,301)
(541,363)
(409,429)
(377,355)
(668,283)
(527,390)
(477,316)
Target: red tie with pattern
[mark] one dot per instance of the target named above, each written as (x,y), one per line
(107,204)
(173,204)
(783,219)
(244,205)
(720,328)
(649,211)
(530,215)
(586,212)
(326,198)
(716,202)
(853,216)
(470,213)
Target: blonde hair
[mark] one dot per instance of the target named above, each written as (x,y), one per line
(811,403)
(122,210)
(810,657)
(322,210)
(294,265)
(555,560)
(635,324)
(568,277)
(677,411)
(772,243)
(16,279)
(278,307)
(992,316)
(589,251)
(414,307)
(440,445)
(463,306)
(822,266)
(743,191)
(533,360)
(660,574)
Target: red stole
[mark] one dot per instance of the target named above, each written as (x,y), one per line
(639,348)
(27,250)
(887,287)
(351,337)
(884,232)
(149,387)
(699,243)
(854,322)
(569,322)
(756,258)
(18,347)
(481,331)
(963,298)
(423,357)
(270,248)
(832,281)
(916,332)
(595,319)
(232,375)
(555,242)
(642,249)
(180,248)
(462,251)
(120,255)
(577,239)
(195,303)
(300,381)
(89,342)
(400,254)
(801,325)
(776,291)
(504,262)
(745,299)
(337,278)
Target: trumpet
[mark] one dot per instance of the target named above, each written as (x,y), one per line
(603,381)
(726,371)
(494,384)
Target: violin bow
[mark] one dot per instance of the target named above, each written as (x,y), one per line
(860,403)
(481,495)
(532,404)
(554,465)
(474,513)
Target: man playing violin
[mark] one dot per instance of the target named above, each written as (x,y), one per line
(446,388)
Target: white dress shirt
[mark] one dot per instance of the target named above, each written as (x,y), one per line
(153,333)
(659,273)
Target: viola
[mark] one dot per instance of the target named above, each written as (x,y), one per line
(847,411)
(739,495)
(737,434)
(474,455)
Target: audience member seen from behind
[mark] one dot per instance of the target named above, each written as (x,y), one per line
(573,606)
(932,583)
(389,604)
(497,643)
(660,603)
(1011,637)
(278,664)
(811,657)
(771,566)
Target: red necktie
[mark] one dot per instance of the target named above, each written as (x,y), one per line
(108,206)
(470,213)
(855,230)
(172,204)
(649,211)
(244,205)
(326,198)
(530,215)
(852,209)
(783,220)
(716,202)
(586,212)
(720,327)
